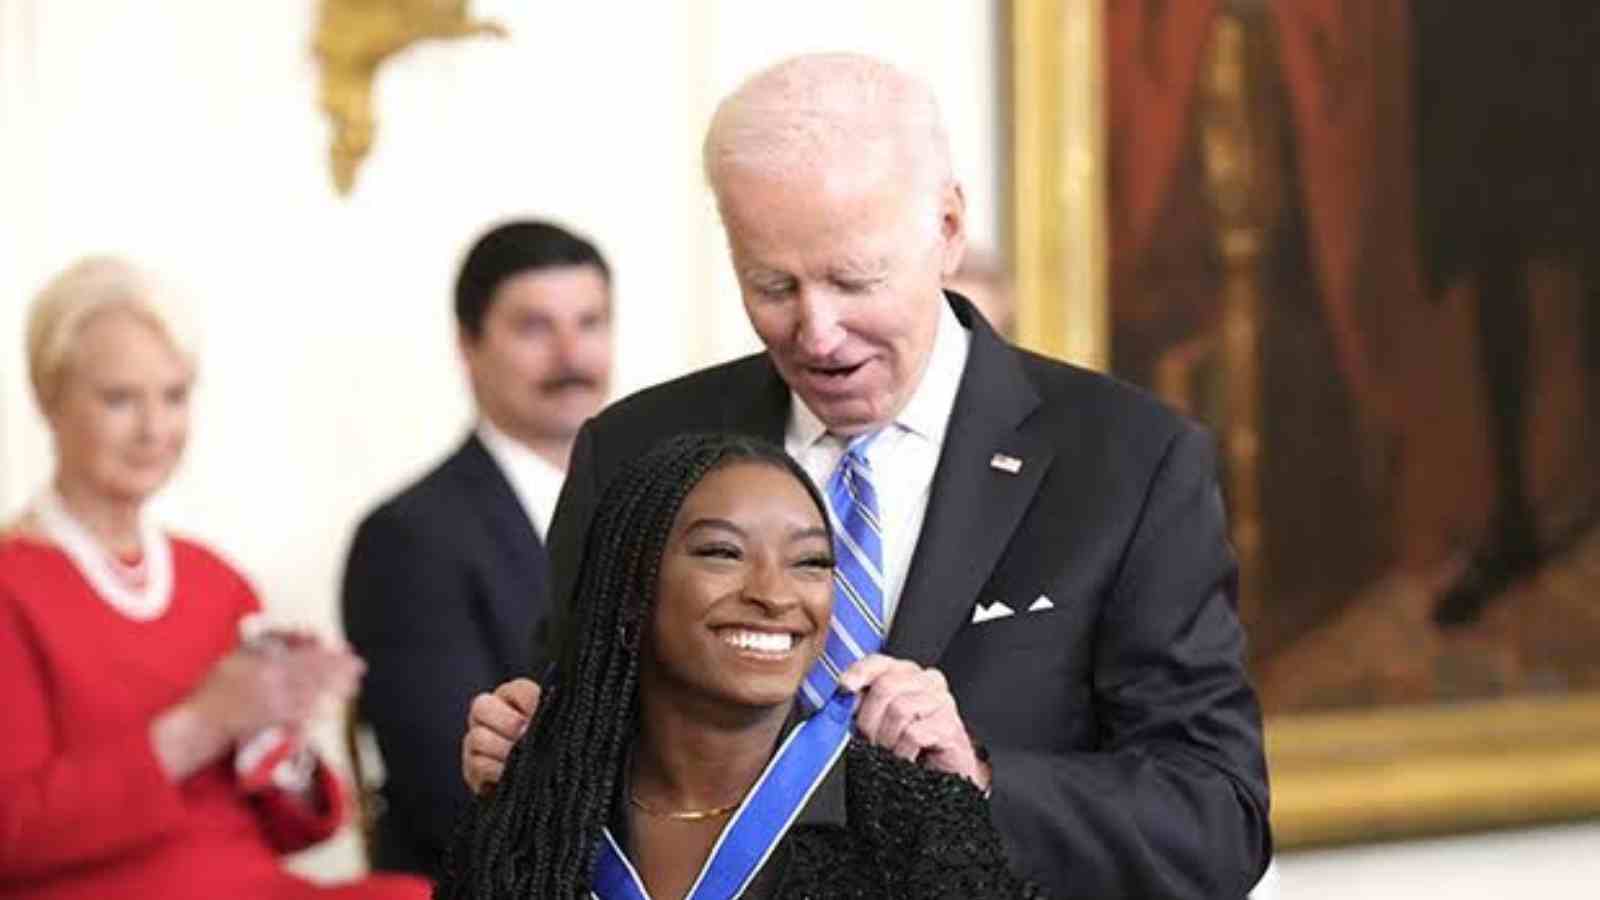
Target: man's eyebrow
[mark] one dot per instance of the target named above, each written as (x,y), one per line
(762,273)
(861,268)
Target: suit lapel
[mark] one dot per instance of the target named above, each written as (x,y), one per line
(763,409)
(511,532)
(973,507)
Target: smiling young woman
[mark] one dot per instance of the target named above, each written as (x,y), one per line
(669,758)
(745,596)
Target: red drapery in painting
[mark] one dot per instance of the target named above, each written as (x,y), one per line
(1155,47)
(1345,66)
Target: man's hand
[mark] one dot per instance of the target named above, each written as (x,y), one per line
(909,711)
(494,723)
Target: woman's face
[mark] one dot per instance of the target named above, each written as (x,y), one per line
(121,417)
(746,590)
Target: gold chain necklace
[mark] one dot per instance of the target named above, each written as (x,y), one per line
(687,815)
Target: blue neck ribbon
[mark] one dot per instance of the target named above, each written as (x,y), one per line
(785,786)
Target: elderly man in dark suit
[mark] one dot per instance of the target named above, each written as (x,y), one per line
(1056,586)
(445,579)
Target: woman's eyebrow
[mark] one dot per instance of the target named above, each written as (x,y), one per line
(802,534)
(713,523)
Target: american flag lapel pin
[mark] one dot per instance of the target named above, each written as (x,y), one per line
(1005,463)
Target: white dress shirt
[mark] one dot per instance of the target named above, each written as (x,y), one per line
(534,480)
(903,457)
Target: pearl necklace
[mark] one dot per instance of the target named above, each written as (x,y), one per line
(141,592)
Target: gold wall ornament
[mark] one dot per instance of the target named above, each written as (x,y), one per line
(354,38)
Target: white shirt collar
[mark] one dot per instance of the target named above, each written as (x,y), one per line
(927,413)
(535,481)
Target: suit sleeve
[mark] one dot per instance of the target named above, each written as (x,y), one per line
(409,610)
(569,530)
(1174,802)
(60,808)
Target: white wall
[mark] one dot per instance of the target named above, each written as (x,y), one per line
(185,134)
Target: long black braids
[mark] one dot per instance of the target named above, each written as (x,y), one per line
(538,834)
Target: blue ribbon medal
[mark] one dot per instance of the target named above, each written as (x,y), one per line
(785,786)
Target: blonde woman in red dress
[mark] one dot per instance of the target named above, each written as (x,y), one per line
(127,691)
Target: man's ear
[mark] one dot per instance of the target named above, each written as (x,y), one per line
(952,228)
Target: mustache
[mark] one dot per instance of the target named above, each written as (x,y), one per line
(567,380)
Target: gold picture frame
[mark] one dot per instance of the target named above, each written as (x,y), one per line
(1376,774)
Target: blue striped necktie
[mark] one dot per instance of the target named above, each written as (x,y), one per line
(858,619)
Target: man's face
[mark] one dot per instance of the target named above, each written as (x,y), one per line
(542,364)
(840,272)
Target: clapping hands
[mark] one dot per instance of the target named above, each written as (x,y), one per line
(282,678)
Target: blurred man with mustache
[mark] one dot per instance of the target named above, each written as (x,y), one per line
(446,579)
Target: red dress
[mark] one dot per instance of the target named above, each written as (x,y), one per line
(85,809)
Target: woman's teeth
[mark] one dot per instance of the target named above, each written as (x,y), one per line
(759,641)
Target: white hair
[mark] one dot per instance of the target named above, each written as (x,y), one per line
(829,109)
(83,290)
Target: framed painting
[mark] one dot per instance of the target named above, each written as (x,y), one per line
(1360,239)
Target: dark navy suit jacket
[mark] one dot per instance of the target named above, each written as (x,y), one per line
(443,583)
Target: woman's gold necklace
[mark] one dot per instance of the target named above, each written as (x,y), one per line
(687,815)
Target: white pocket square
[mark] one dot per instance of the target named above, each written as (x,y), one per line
(1041,604)
(996,610)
